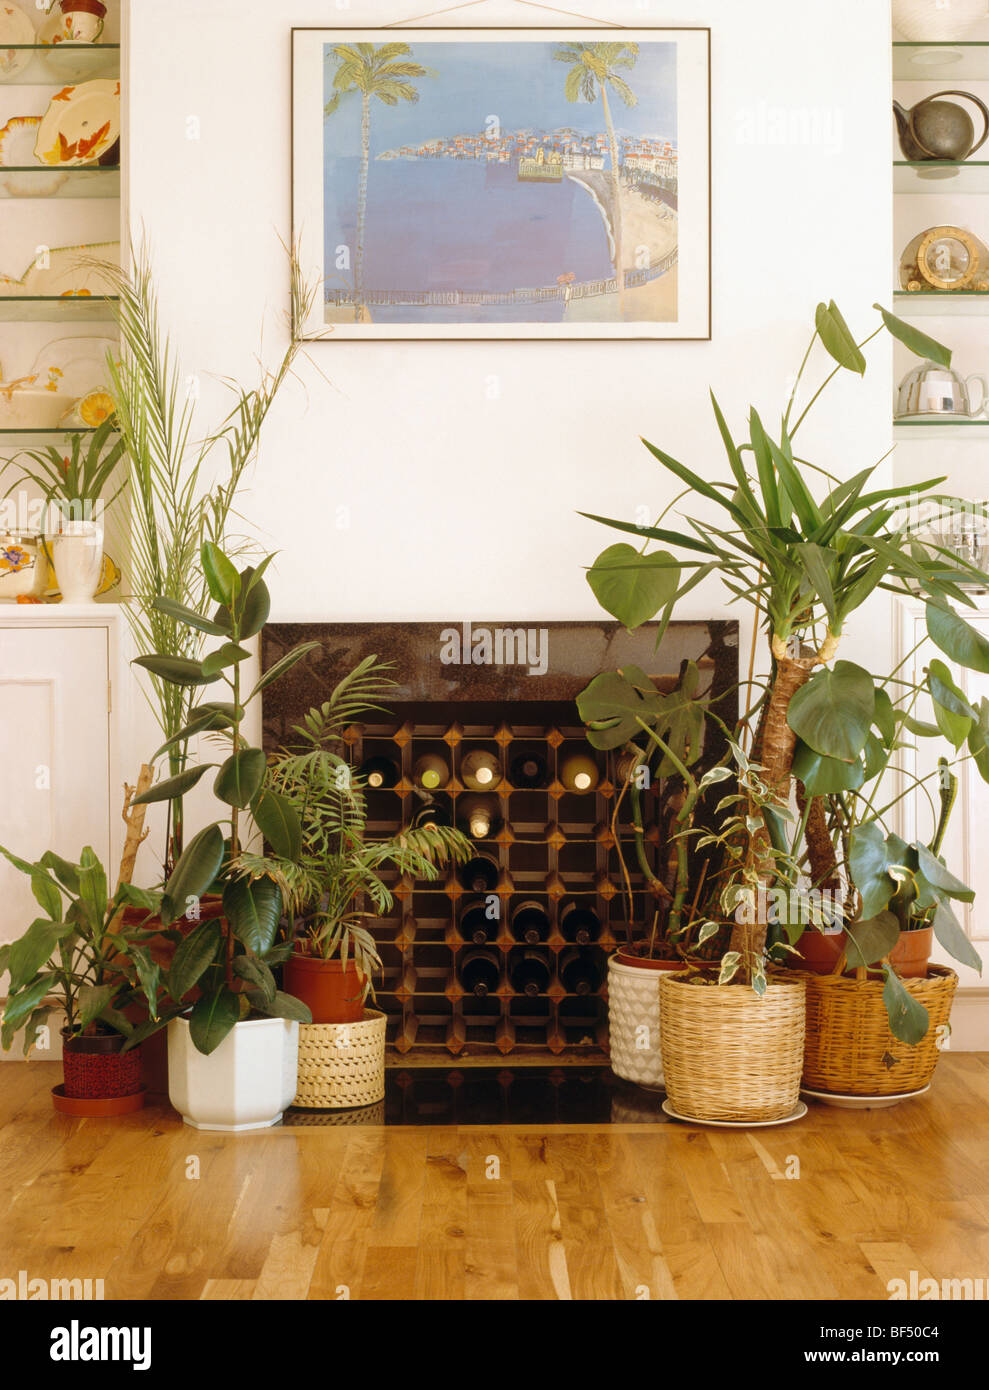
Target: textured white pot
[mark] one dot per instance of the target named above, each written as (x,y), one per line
(633,1023)
(78,555)
(246,1083)
(934,21)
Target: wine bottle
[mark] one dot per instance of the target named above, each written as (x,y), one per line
(480,972)
(578,973)
(480,770)
(579,923)
(480,874)
(530,923)
(632,767)
(528,770)
(479,816)
(477,924)
(379,773)
(431,771)
(579,773)
(434,811)
(529,973)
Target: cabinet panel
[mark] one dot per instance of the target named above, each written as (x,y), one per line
(54,754)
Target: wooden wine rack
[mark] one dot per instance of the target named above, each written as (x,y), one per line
(554,845)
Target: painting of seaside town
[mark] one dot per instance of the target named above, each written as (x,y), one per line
(492,187)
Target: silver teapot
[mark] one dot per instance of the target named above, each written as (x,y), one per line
(931,389)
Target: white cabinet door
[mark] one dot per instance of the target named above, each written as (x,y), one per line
(54,754)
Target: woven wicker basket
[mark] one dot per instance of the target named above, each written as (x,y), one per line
(850,1050)
(729,1055)
(342,1065)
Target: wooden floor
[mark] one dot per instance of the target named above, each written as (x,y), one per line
(594,1212)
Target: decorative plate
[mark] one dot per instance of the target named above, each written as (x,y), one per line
(797,1113)
(17,141)
(863,1102)
(16,30)
(67,271)
(81,124)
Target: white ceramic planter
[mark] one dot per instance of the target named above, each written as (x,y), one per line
(633,1023)
(77,551)
(247,1083)
(937,21)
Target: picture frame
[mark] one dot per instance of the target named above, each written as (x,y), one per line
(463,183)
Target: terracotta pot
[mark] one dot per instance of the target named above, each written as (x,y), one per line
(819,951)
(90,1108)
(646,962)
(331,994)
(912,953)
(97,1068)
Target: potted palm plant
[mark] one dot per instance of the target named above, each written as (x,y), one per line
(232,1049)
(806,563)
(333,886)
(80,960)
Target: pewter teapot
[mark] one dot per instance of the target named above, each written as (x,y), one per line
(935,129)
(931,389)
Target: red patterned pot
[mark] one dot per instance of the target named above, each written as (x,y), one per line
(96,1068)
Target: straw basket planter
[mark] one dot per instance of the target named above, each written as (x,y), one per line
(850,1050)
(342,1065)
(728,1055)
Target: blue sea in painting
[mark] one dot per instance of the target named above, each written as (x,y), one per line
(437,224)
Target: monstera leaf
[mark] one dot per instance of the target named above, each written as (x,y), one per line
(614,702)
(633,587)
(834,711)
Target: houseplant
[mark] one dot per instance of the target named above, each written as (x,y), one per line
(232,1055)
(331,888)
(81,960)
(806,564)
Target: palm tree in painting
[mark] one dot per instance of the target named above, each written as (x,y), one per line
(384,73)
(594,68)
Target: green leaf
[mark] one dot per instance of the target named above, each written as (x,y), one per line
(130,896)
(193,956)
(941,877)
(766,472)
(730,963)
(32,951)
(957,638)
(280,668)
(37,1020)
(255,606)
(212,1018)
(222,578)
(908,1019)
(19,1006)
(46,895)
(612,705)
(837,338)
(978,743)
(885,717)
(256,973)
(918,343)
(182,614)
(193,874)
(92,1000)
(240,777)
(821,775)
(633,587)
(171,788)
(920,729)
(872,939)
(253,909)
(284,1006)
(66,873)
(227,655)
(952,937)
(868,863)
(833,712)
(953,713)
(93,887)
(206,722)
(279,823)
(176,670)
(818,563)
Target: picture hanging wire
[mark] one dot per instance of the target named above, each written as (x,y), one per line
(527,4)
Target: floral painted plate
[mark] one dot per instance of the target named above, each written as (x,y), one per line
(81,125)
(16,30)
(17,142)
(65,270)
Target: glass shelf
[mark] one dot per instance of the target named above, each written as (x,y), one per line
(953,303)
(939,62)
(57,432)
(55,64)
(975,429)
(73,308)
(941,177)
(33,181)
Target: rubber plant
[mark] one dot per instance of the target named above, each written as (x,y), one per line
(227,959)
(806,559)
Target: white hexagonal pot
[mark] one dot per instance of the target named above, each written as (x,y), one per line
(633,1022)
(247,1083)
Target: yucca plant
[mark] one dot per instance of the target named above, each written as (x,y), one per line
(806,563)
(335,884)
(184,486)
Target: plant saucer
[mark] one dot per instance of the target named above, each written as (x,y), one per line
(797,1113)
(841,1102)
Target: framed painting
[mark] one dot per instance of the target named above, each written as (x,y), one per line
(503,183)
